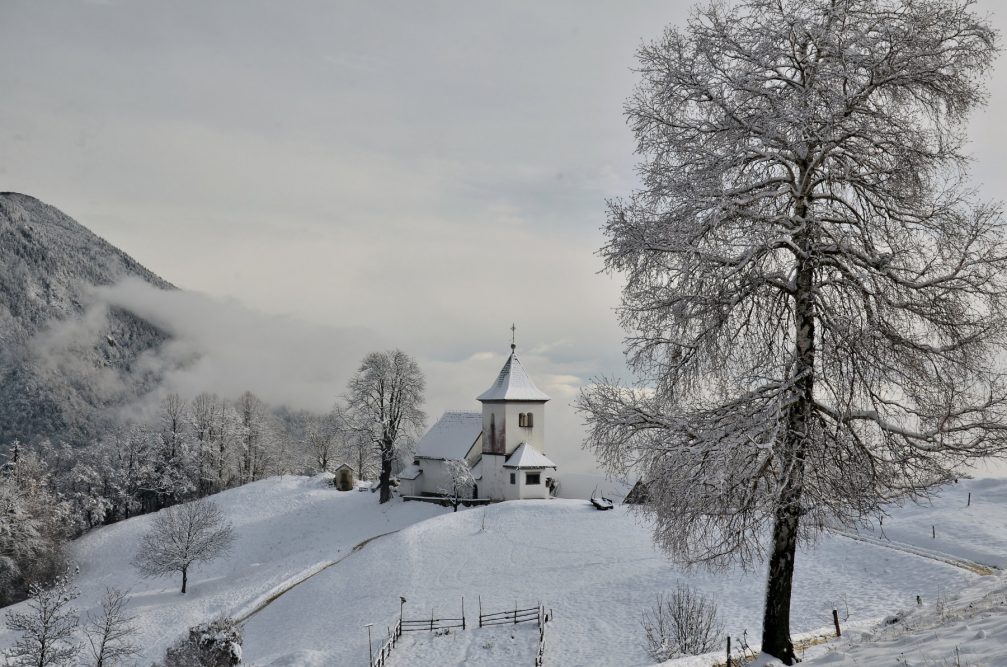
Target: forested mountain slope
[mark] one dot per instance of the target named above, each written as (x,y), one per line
(63,385)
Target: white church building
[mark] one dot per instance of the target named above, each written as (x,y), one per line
(504,444)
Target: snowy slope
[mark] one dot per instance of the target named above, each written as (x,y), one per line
(286,527)
(597,571)
(977,531)
(968,629)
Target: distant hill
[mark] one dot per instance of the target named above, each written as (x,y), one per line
(64,386)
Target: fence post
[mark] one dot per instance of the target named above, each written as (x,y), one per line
(933,531)
(728,650)
(835,619)
(463,612)
(515,612)
(480,611)
(969,504)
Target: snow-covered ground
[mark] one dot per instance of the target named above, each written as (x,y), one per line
(597,571)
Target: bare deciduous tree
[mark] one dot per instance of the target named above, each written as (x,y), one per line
(181,536)
(384,399)
(324,435)
(683,623)
(815,299)
(110,633)
(46,630)
(257,437)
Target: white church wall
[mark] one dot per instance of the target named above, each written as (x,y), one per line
(436,476)
(410,487)
(492,484)
(505,418)
(534,434)
(538,491)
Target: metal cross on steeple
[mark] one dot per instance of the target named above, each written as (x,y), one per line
(513,337)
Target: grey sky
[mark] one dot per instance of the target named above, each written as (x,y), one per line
(428,171)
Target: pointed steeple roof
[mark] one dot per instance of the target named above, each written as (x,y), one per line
(513,384)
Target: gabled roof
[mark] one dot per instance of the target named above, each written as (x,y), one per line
(526,456)
(513,384)
(451,437)
(410,472)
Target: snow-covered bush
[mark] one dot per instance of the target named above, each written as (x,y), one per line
(682,623)
(213,644)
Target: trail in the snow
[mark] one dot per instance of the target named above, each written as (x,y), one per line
(971,566)
(264,601)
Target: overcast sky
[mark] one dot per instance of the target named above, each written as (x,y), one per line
(420,173)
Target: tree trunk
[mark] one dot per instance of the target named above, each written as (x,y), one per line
(776,639)
(185,578)
(385,480)
(776,619)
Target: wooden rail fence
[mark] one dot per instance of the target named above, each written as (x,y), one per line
(543,618)
(513,616)
(386,648)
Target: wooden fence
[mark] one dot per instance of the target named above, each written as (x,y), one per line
(386,648)
(432,623)
(511,616)
(543,618)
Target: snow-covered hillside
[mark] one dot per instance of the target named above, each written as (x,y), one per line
(597,571)
(286,528)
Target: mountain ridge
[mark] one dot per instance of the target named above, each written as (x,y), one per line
(65,389)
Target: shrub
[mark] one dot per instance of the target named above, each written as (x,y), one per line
(682,623)
(213,644)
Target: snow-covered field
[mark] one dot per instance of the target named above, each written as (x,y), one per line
(597,571)
(285,527)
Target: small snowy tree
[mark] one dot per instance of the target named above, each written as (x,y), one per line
(46,630)
(110,633)
(815,299)
(460,482)
(682,623)
(385,398)
(182,536)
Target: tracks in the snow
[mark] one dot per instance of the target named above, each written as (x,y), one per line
(268,598)
(964,564)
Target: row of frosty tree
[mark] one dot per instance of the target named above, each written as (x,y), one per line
(815,298)
(192,449)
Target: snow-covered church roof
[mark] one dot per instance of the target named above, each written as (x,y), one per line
(526,456)
(451,437)
(513,384)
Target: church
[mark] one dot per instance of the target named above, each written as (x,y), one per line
(503,444)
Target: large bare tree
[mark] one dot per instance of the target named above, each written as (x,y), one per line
(180,537)
(384,399)
(814,296)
